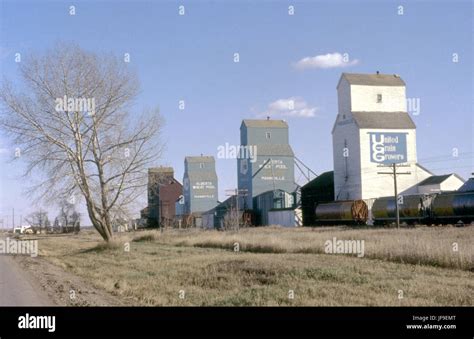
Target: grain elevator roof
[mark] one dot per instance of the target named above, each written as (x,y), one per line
(373,79)
(385,120)
(265,123)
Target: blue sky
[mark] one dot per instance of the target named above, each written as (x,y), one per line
(191,58)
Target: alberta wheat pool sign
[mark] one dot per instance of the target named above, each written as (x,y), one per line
(388,148)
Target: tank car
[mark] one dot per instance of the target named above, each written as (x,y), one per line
(452,207)
(349,212)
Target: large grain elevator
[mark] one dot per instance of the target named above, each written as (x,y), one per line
(373,129)
(268,163)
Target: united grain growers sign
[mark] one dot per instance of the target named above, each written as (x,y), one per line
(388,148)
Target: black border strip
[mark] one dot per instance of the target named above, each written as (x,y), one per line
(347,322)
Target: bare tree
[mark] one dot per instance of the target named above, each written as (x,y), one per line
(56,226)
(68,217)
(76,222)
(72,123)
(39,220)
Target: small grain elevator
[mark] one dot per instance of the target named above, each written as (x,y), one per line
(199,184)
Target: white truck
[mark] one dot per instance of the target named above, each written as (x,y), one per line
(24,229)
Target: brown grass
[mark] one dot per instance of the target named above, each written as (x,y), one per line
(272,261)
(422,246)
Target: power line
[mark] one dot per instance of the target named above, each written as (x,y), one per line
(395,173)
(445,156)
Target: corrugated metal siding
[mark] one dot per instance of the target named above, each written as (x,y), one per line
(208,220)
(320,189)
(285,218)
(468,186)
(269,200)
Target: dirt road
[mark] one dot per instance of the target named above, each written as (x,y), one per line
(17,287)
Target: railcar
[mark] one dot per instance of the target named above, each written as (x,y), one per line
(413,209)
(430,209)
(452,207)
(348,212)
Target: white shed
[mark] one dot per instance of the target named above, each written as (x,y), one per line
(440,183)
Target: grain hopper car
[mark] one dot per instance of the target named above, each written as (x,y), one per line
(413,209)
(431,209)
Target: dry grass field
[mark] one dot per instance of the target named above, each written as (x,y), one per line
(416,266)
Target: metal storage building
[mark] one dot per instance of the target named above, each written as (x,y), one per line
(287,217)
(270,161)
(271,200)
(199,184)
(468,186)
(318,190)
(216,217)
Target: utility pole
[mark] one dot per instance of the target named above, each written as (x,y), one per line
(13,219)
(395,188)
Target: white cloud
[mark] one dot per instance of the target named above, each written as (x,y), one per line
(291,107)
(330,60)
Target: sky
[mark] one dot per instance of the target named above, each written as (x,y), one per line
(284,54)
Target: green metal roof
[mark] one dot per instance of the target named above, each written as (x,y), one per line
(265,123)
(160,169)
(274,150)
(206,158)
(196,176)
